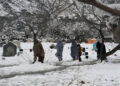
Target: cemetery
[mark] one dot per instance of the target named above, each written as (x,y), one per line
(59,43)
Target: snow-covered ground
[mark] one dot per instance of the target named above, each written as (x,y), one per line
(18,70)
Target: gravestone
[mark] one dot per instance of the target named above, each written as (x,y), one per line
(30,50)
(9,49)
(52,46)
(86,55)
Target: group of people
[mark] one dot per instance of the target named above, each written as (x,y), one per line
(76,50)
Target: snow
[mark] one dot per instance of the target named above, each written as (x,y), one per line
(2,12)
(115,6)
(22,4)
(18,70)
(18,6)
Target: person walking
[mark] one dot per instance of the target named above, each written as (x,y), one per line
(59,48)
(74,49)
(98,50)
(103,52)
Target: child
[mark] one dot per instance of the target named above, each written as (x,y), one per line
(79,52)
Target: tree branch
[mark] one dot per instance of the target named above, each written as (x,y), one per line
(101,6)
(113,50)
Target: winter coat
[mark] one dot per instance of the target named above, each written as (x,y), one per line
(103,49)
(74,49)
(100,49)
(94,47)
(98,46)
(59,48)
(38,49)
(79,50)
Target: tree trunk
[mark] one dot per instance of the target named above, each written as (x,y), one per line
(101,34)
(35,38)
(111,52)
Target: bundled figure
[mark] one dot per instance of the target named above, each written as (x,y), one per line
(98,50)
(79,52)
(38,51)
(101,50)
(59,48)
(74,49)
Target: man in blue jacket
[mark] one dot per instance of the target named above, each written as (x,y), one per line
(74,49)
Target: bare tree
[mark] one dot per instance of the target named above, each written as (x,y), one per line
(40,20)
(101,6)
(112,11)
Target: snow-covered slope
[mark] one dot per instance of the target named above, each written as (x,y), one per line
(114,6)
(18,70)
